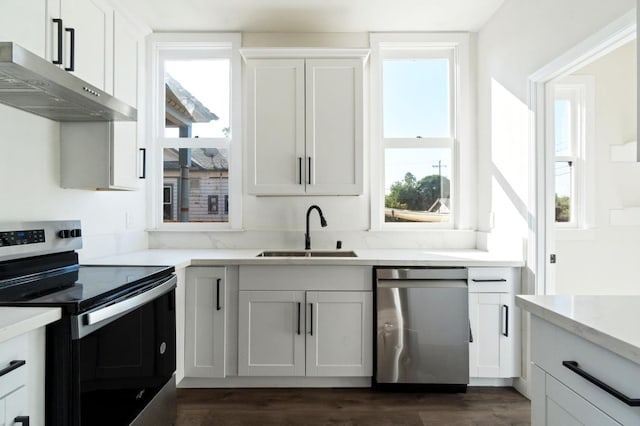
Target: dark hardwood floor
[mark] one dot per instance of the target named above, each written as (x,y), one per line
(365,407)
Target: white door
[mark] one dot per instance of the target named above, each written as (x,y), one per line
(339,336)
(275,131)
(334,99)
(205,322)
(15,404)
(271,333)
(125,88)
(92,24)
(492,318)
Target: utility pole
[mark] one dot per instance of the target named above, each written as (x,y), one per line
(440,166)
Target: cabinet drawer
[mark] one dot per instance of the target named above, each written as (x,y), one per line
(551,345)
(295,277)
(494,280)
(14,349)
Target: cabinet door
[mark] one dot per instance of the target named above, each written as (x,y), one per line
(15,405)
(125,87)
(275,131)
(25,22)
(92,23)
(492,318)
(339,338)
(271,333)
(334,98)
(205,322)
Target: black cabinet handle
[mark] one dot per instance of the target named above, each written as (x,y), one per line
(496,280)
(12,366)
(299,318)
(505,333)
(300,171)
(218,307)
(309,170)
(58,22)
(573,366)
(470,333)
(144,163)
(72,49)
(24,420)
(311,317)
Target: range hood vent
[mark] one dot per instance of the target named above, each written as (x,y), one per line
(33,84)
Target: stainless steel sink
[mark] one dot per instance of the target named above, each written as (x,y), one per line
(307,253)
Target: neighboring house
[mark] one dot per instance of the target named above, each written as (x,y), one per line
(203,173)
(441,205)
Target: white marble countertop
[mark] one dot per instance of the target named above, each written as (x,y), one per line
(608,321)
(388,257)
(16,321)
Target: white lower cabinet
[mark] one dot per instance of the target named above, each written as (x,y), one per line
(13,408)
(22,379)
(205,322)
(305,333)
(563,392)
(494,322)
(553,403)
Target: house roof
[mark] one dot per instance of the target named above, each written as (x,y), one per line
(202,159)
(183,108)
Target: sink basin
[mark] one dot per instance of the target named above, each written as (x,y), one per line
(307,253)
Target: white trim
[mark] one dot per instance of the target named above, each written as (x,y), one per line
(158,45)
(306,53)
(541,238)
(463,168)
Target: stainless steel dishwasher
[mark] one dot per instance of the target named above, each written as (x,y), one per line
(422,328)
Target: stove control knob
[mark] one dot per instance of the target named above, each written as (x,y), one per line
(64,233)
(75,233)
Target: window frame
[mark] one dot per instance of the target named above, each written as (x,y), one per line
(164,46)
(424,46)
(579,90)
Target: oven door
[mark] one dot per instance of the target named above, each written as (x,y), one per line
(122,355)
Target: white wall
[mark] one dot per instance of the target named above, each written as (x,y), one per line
(606,261)
(518,40)
(30,189)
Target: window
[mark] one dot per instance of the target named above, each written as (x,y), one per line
(571,104)
(417,78)
(196,130)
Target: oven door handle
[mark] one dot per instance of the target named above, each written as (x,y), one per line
(129,304)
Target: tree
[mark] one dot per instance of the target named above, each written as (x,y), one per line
(563,209)
(411,194)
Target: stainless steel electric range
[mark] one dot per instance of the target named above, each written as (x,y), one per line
(111,359)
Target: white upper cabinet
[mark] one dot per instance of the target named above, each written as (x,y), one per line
(334,126)
(74,34)
(305,123)
(23,22)
(275,131)
(88,31)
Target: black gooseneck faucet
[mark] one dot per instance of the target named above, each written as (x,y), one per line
(323,223)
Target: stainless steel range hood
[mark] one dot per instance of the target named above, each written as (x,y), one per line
(33,84)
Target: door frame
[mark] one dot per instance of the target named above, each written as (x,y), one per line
(541,178)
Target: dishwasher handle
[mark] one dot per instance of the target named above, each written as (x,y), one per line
(422,283)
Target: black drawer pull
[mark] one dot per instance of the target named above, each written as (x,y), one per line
(12,366)
(573,366)
(23,420)
(490,280)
